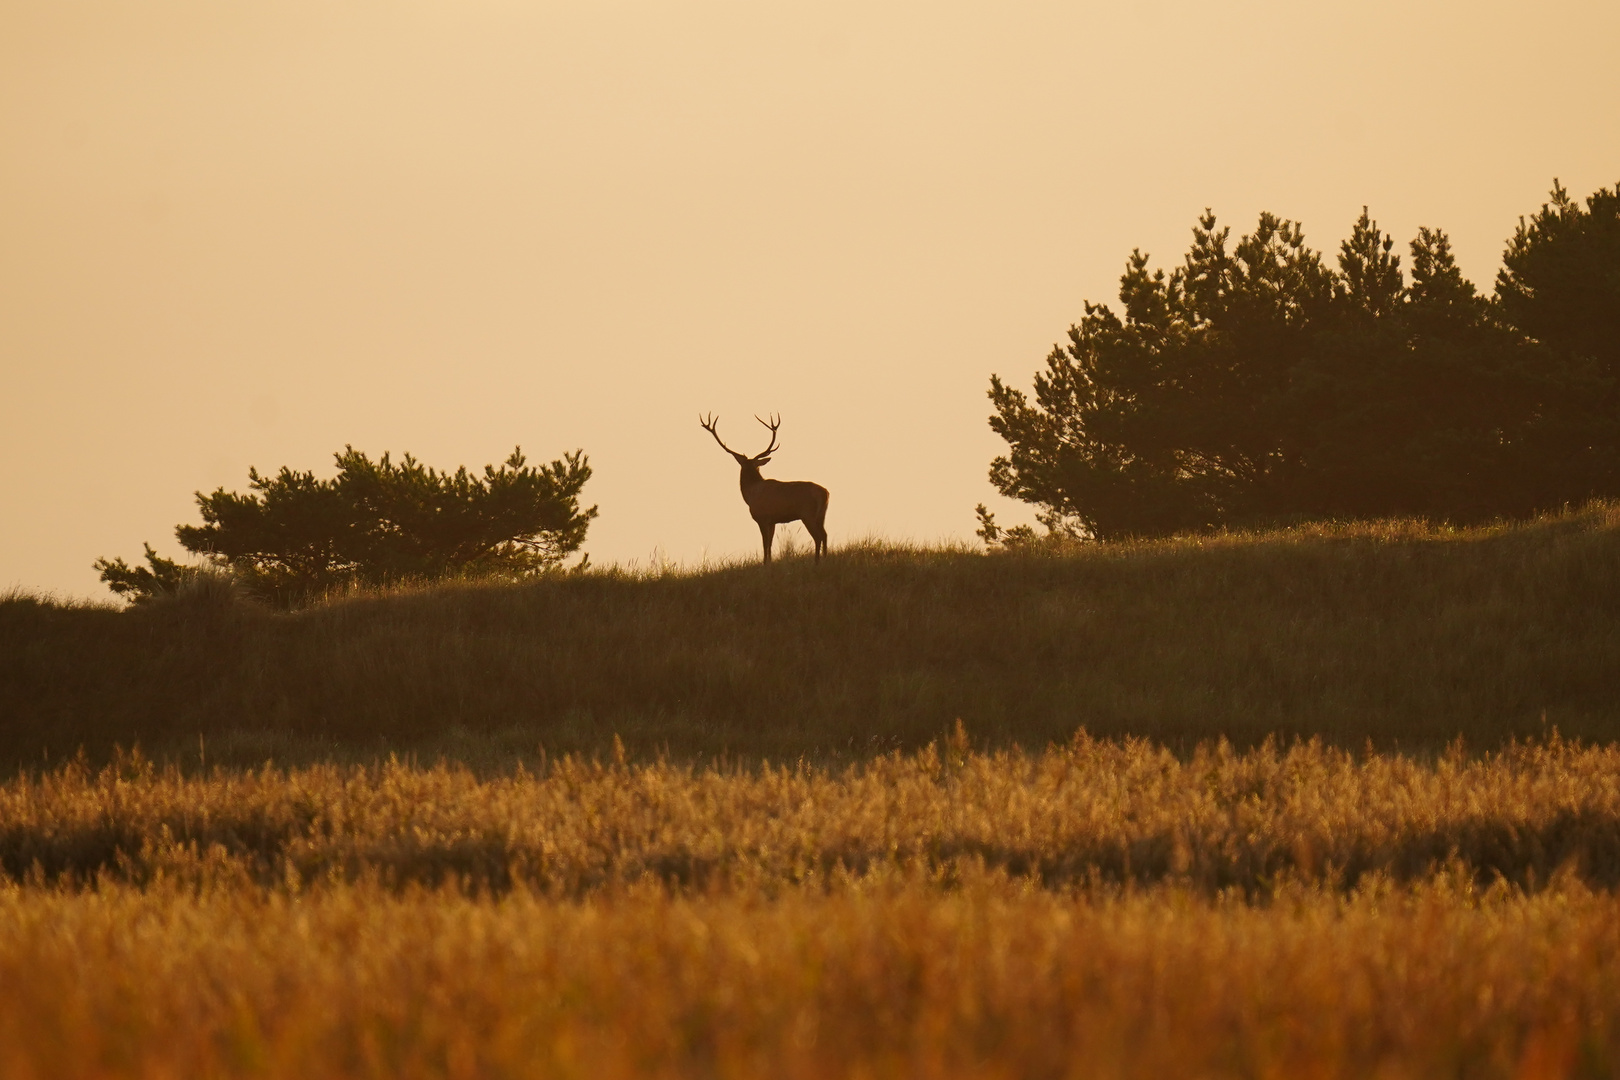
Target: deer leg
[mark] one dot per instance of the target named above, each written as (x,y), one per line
(767,530)
(818,533)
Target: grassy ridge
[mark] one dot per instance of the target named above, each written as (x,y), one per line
(1137,907)
(1398,632)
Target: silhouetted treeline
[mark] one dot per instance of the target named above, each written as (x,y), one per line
(1255,383)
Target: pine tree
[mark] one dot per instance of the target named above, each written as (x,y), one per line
(1255,385)
(1559,289)
(1172,418)
(294,536)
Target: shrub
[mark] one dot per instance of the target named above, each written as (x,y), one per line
(294,536)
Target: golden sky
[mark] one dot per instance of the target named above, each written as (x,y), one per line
(246,233)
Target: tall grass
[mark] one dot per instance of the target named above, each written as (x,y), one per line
(1086,813)
(899,979)
(1101,909)
(1399,632)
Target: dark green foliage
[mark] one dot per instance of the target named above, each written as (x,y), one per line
(295,536)
(1560,288)
(1258,385)
(994,535)
(160,577)
(1172,417)
(1409,397)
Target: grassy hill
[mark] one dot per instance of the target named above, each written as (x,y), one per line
(1396,632)
(1157,907)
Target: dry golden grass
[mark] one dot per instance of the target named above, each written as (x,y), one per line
(884,978)
(1086,812)
(1101,909)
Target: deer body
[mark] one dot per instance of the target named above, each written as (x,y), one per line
(777,502)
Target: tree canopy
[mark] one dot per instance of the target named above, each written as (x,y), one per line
(294,536)
(1255,383)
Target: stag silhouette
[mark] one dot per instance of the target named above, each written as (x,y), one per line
(776,502)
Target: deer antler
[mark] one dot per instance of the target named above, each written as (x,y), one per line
(775,422)
(710,424)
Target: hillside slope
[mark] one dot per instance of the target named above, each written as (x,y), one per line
(1396,632)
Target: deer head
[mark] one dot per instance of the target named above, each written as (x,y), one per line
(711,423)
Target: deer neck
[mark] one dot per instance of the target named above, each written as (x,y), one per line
(750,479)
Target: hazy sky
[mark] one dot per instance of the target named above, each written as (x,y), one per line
(241,233)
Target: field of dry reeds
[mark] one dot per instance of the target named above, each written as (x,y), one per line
(1102,908)
(1084,813)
